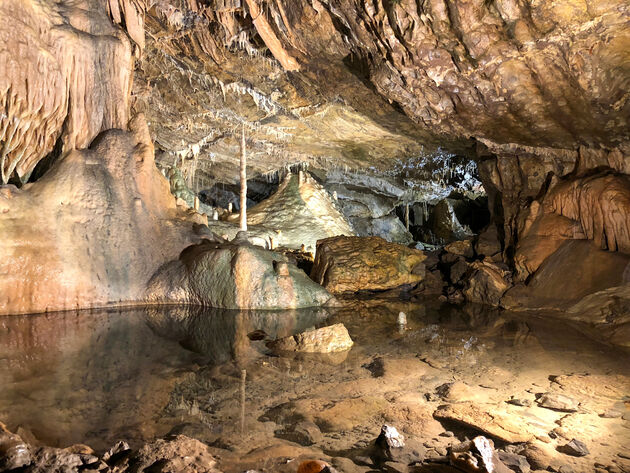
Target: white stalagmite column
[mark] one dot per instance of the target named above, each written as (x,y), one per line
(407,216)
(243,203)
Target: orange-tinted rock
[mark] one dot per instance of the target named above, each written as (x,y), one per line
(487,283)
(322,340)
(351,264)
(312,466)
(601,203)
(92,231)
(66,74)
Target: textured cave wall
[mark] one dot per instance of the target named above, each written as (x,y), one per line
(66,76)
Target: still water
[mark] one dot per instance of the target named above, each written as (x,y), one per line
(95,377)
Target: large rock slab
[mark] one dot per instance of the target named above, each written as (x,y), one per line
(352,264)
(501,423)
(234,276)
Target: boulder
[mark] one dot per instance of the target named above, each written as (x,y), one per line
(352,264)
(487,283)
(234,276)
(461,248)
(323,340)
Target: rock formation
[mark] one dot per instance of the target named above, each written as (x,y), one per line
(234,276)
(93,230)
(353,264)
(301,212)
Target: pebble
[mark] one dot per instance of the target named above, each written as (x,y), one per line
(574,448)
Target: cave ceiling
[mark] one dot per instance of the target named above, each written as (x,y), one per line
(334,83)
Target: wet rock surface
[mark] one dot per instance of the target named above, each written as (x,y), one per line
(234,275)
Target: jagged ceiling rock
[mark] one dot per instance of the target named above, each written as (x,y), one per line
(328,80)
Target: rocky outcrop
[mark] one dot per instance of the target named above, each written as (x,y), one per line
(301,212)
(179,453)
(352,264)
(234,276)
(93,230)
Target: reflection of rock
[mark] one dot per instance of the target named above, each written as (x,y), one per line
(351,264)
(322,340)
(233,276)
(302,211)
(222,334)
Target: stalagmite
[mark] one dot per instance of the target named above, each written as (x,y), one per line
(243,216)
(407,216)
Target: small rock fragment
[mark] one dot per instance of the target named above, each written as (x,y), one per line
(575,448)
(557,402)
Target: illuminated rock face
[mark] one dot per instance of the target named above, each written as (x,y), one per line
(92,231)
(66,76)
(301,211)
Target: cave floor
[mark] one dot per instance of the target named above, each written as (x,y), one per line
(135,374)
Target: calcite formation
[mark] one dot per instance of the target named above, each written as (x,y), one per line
(301,212)
(234,276)
(66,76)
(92,231)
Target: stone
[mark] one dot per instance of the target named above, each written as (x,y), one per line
(487,284)
(575,448)
(322,340)
(501,424)
(487,242)
(458,271)
(557,402)
(477,455)
(516,463)
(179,453)
(234,276)
(389,438)
(314,466)
(352,264)
(305,433)
(14,452)
(460,248)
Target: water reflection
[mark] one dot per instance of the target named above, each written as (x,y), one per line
(224,335)
(95,376)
